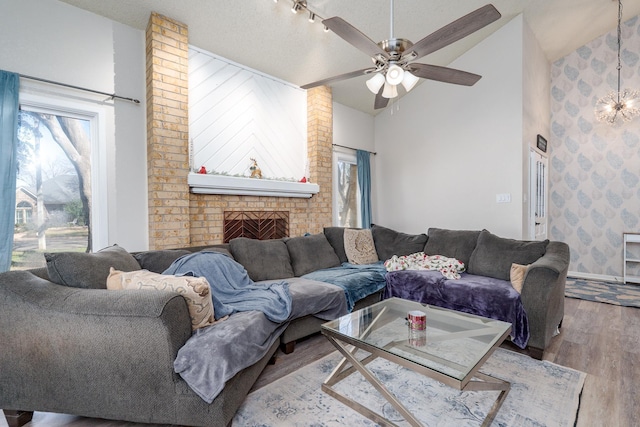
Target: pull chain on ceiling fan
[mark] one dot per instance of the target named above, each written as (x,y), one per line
(392,57)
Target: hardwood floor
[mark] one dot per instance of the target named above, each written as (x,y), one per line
(602,340)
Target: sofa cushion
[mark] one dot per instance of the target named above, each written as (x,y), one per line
(311,253)
(494,255)
(159,261)
(390,242)
(458,244)
(195,291)
(263,259)
(359,246)
(335,236)
(88,270)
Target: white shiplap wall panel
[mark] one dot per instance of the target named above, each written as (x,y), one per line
(236,113)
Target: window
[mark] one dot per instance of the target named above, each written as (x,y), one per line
(59,202)
(346,197)
(24,211)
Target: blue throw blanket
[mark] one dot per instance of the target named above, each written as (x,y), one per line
(358,281)
(231,288)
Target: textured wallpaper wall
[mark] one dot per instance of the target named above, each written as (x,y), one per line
(594,189)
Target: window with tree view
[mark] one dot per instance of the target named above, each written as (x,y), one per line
(346,200)
(53,188)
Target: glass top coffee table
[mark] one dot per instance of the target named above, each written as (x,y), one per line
(451,350)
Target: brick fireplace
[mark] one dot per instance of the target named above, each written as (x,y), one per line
(176,216)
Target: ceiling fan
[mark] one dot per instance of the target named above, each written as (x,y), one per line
(393,57)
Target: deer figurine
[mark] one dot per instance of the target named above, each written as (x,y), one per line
(255,170)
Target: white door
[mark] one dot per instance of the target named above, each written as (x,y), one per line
(538,185)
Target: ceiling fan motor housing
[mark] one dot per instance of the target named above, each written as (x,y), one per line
(395,47)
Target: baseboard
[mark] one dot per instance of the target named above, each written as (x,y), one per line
(598,277)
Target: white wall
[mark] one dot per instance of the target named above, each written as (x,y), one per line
(536,87)
(446,153)
(355,129)
(55,41)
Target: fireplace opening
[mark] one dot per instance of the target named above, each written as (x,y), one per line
(258,225)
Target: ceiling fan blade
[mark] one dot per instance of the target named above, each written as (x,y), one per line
(354,36)
(380,101)
(454,31)
(338,78)
(444,74)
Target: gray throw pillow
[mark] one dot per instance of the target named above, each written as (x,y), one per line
(88,270)
(263,259)
(458,244)
(311,253)
(494,255)
(390,242)
(335,236)
(159,261)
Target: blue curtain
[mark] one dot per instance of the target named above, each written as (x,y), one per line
(364,182)
(9,86)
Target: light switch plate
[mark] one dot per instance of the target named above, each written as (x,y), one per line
(503,198)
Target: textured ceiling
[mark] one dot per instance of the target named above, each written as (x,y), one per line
(266,36)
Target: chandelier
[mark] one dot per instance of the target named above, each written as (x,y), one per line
(623,104)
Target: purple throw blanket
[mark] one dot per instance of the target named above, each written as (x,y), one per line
(479,295)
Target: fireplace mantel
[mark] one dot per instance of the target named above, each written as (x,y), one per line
(241,186)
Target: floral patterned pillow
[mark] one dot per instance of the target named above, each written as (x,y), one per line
(195,290)
(359,246)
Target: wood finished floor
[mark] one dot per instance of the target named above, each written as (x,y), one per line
(602,340)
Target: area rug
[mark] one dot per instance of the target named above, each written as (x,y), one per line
(607,292)
(542,394)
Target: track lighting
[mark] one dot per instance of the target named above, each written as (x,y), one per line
(301,5)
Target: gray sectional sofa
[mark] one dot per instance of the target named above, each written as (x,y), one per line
(69,345)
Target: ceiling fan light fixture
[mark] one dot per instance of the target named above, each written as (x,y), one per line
(375,83)
(390,91)
(395,74)
(409,81)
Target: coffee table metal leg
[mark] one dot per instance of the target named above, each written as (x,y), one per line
(327,388)
(481,382)
(490,383)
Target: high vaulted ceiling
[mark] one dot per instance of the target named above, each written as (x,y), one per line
(266,36)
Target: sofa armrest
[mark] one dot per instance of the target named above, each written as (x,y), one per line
(543,293)
(117,344)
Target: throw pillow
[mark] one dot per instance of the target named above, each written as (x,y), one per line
(390,242)
(494,255)
(335,236)
(195,290)
(359,246)
(517,276)
(458,244)
(263,259)
(88,270)
(311,253)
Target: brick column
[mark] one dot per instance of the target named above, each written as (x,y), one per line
(320,149)
(167,56)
